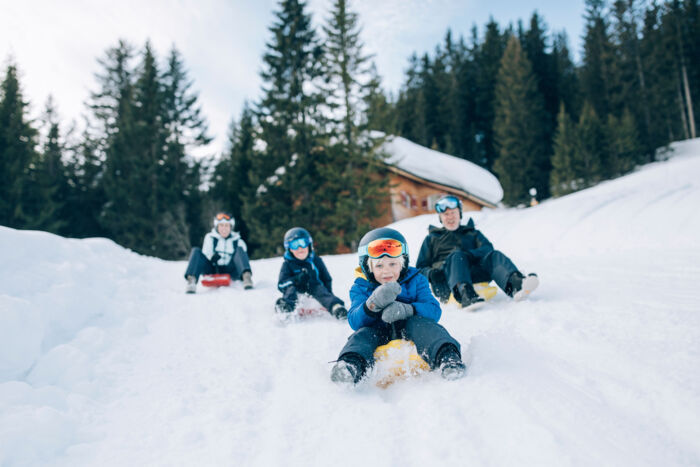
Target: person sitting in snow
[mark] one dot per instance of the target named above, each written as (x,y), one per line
(455,256)
(304,272)
(223,251)
(390,298)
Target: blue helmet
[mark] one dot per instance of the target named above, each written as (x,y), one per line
(297,237)
(371,247)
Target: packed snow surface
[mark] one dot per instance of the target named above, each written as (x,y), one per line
(105,361)
(442,168)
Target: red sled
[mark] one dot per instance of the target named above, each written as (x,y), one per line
(216,280)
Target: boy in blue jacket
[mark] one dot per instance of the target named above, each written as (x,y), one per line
(393,298)
(304,272)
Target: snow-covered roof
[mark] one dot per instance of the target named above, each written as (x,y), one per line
(443,169)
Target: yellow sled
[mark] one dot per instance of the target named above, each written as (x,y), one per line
(484,289)
(397,360)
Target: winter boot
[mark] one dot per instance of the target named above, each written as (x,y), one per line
(339,311)
(468,297)
(282,306)
(247,280)
(349,369)
(519,286)
(191,284)
(450,363)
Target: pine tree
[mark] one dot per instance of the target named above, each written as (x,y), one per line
(631,81)
(17,154)
(346,68)
(465,95)
(291,123)
(625,148)
(380,114)
(187,130)
(535,47)
(113,108)
(488,62)
(523,160)
(565,73)
(410,105)
(85,195)
(346,166)
(563,178)
(591,163)
(232,186)
(597,77)
(662,84)
(47,178)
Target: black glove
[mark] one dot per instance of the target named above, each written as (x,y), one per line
(301,280)
(215,258)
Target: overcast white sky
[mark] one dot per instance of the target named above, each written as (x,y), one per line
(56,44)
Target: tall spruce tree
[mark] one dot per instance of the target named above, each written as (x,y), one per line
(625,148)
(232,186)
(597,77)
(663,96)
(592,161)
(47,178)
(523,154)
(536,47)
(291,127)
(379,114)
(410,105)
(562,179)
(18,140)
(565,72)
(186,130)
(488,62)
(347,166)
(85,195)
(347,68)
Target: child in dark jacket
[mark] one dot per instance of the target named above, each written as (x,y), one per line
(304,272)
(393,300)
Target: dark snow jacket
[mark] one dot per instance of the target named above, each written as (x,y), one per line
(440,242)
(291,273)
(415,291)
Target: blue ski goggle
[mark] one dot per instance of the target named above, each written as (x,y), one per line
(301,242)
(448,202)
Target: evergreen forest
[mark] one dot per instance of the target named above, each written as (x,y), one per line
(509,98)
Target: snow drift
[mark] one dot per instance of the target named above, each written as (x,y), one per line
(105,361)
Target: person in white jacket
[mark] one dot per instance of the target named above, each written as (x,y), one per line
(223,251)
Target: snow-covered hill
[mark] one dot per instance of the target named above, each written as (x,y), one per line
(105,361)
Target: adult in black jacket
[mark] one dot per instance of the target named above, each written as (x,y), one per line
(455,256)
(304,272)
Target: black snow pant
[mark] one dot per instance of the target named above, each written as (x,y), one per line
(494,266)
(199,264)
(428,336)
(316,290)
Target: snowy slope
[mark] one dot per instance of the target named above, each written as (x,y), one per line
(105,361)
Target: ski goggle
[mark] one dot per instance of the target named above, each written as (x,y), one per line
(301,242)
(382,247)
(448,202)
(222,215)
